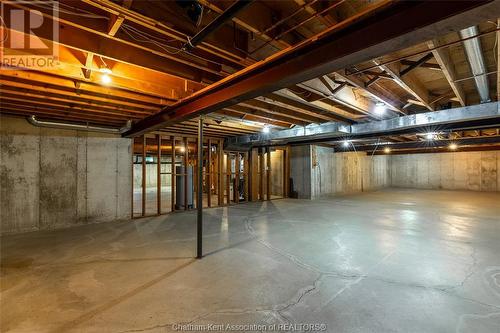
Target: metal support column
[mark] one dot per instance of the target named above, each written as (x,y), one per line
(199,193)
(158,174)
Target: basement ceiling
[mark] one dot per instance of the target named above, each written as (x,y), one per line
(144,45)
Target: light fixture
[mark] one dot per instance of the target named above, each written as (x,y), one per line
(453,146)
(345,144)
(379,108)
(430,136)
(105,77)
(265,129)
(387,150)
(182,149)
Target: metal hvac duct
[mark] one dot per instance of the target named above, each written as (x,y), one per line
(476,61)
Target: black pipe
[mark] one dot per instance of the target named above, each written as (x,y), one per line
(217,23)
(199,192)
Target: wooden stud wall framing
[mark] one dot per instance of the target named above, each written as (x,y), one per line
(220,158)
(268,173)
(255,166)
(209,174)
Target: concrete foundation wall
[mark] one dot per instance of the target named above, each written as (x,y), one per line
(338,173)
(58,178)
(300,170)
(476,171)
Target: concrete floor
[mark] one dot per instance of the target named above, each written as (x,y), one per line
(388,261)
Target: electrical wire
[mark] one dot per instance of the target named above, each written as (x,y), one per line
(496,42)
(85,13)
(147,38)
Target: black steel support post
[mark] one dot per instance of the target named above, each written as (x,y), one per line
(199,192)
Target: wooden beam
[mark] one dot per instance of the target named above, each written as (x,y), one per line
(250,117)
(41,89)
(424,65)
(416,64)
(220,174)
(88,65)
(127,3)
(155,19)
(390,100)
(288,100)
(261,173)
(305,116)
(408,83)
(321,54)
(443,58)
(268,173)
(115,22)
(82,38)
(345,97)
(266,114)
(127,78)
(327,82)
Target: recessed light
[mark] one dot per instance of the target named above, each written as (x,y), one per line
(430,136)
(105,79)
(379,108)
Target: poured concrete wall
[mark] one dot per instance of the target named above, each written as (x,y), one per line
(58,178)
(300,170)
(318,171)
(476,171)
(350,172)
(277,167)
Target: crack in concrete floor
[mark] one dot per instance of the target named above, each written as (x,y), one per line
(309,295)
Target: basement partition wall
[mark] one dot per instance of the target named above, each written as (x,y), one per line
(165,178)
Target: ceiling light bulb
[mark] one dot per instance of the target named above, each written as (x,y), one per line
(453,146)
(379,108)
(429,136)
(265,129)
(182,149)
(345,143)
(106,79)
(387,150)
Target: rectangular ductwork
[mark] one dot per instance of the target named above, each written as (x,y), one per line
(475,57)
